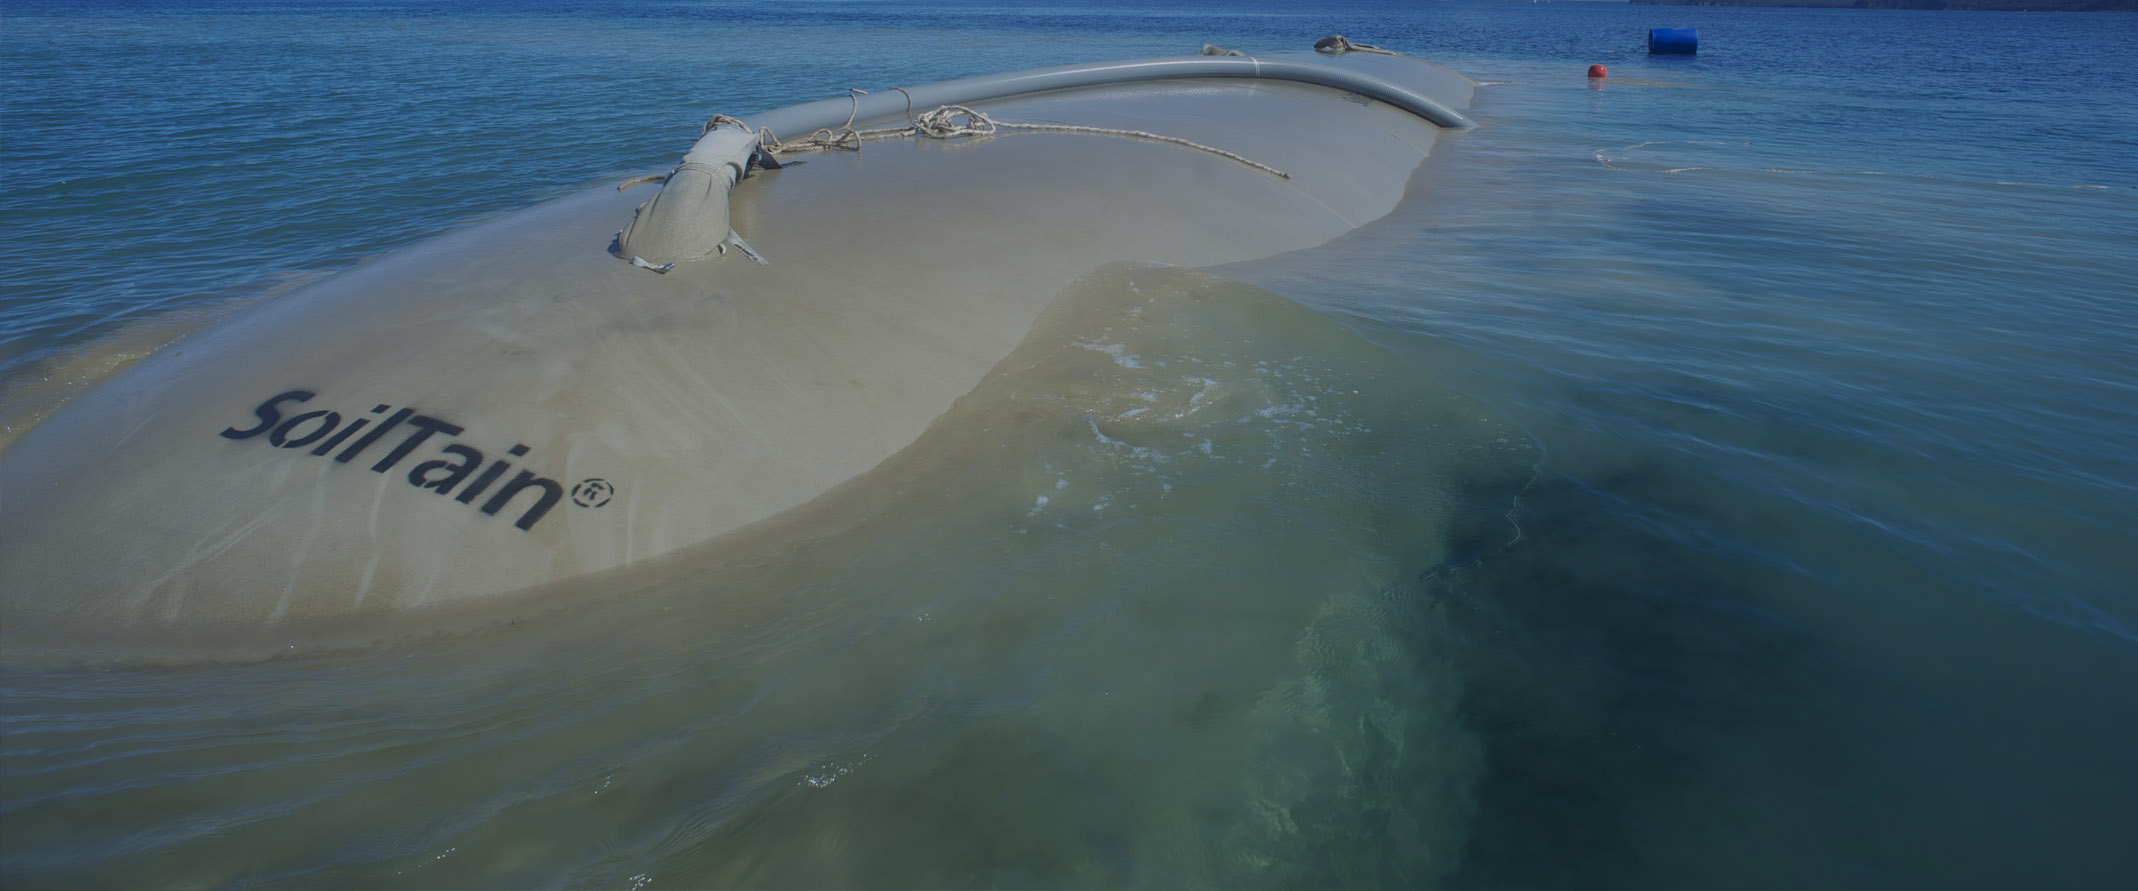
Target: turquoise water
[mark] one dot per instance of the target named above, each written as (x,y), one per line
(1806,564)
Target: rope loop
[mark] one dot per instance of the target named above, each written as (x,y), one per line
(717,120)
(955,122)
(842,138)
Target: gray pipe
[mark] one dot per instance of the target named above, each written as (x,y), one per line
(809,116)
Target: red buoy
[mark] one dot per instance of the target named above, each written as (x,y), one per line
(1597,71)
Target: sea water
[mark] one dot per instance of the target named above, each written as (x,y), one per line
(1716,474)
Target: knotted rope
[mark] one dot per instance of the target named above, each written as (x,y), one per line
(957,121)
(843,136)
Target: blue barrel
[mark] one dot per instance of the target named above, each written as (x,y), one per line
(1682,41)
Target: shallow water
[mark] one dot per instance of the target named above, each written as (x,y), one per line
(1802,561)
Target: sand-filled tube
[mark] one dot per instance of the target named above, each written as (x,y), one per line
(508,409)
(972,541)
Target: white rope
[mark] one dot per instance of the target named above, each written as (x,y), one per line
(956,121)
(842,137)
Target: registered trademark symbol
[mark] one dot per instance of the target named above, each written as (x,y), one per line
(592,492)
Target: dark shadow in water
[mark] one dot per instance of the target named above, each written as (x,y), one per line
(1681,681)
(1597,658)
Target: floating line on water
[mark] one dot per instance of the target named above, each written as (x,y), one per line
(1604,157)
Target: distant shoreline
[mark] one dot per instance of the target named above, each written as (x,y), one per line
(1977,5)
